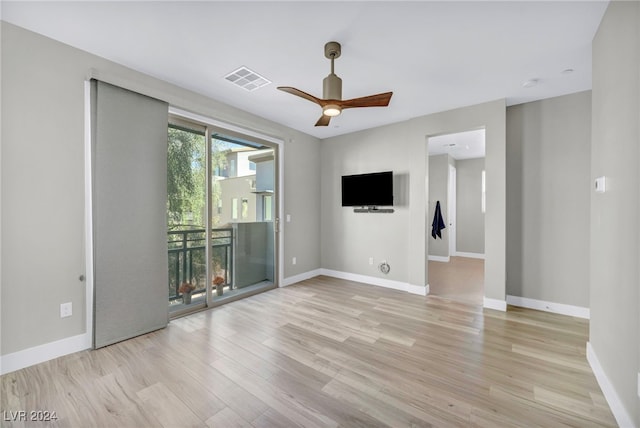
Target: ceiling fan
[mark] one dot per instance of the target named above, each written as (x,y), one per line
(332,103)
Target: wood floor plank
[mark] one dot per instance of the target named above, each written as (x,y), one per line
(170,410)
(227,418)
(377,408)
(328,352)
(281,401)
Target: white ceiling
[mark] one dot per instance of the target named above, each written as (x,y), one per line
(434,56)
(460,145)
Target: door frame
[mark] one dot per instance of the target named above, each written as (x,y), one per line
(278,146)
(452,209)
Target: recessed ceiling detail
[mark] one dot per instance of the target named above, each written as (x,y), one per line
(247,79)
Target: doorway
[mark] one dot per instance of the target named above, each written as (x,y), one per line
(456,182)
(221,215)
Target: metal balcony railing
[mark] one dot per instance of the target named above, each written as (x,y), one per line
(187,261)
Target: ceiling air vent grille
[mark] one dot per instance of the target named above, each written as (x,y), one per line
(247,79)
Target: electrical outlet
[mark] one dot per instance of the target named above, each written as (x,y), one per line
(371,260)
(294,261)
(66,310)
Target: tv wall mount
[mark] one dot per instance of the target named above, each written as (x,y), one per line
(373,210)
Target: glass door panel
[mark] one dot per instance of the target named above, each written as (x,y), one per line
(242,194)
(186,215)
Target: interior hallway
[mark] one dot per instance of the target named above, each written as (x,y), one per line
(462,279)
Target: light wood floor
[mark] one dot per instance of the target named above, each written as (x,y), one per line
(462,279)
(327,353)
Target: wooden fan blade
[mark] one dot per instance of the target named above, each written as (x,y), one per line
(301,94)
(378,100)
(323,121)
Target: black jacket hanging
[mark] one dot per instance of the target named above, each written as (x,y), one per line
(438,223)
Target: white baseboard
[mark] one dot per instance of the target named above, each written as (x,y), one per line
(418,289)
(556,308)
(380,282)
(498,305)
(623,418)
(439,259)
(41,353)
(469,255)
(300,277)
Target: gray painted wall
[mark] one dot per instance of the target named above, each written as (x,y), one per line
(43,194)
(548,199)
(469,215)
(614,332)
(438,191)
(348,239)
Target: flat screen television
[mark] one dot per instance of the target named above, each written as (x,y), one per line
(367,190)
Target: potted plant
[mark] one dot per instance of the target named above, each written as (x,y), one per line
(185,289)
(218,281)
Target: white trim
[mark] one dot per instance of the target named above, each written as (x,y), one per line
(300,277)
(498,305)
(469,255)
(88,213)
(556,308)
(418,289)
(41,353)
(439,259)
(280,197)
(380,282)
(224,125)
(623,418)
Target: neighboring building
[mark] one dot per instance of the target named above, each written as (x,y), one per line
(245,187)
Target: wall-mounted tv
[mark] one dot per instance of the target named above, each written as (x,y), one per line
(367,190)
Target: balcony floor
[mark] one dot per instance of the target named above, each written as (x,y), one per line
(198,300)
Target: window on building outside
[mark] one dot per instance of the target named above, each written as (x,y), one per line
(234,208)
(245,208)
(267,201)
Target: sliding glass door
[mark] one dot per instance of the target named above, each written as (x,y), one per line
(221,215)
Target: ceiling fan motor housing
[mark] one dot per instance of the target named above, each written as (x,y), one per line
(332,87)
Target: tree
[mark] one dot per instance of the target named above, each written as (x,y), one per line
(186,172)
(185,177)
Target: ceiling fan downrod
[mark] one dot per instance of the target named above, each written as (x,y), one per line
(332,84)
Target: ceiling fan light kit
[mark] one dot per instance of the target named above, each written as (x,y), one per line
(332,103)
(331,110)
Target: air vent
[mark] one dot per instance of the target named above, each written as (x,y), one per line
(247,79)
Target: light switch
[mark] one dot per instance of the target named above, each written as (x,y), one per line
(601,185)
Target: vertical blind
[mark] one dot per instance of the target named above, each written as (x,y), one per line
(129,175)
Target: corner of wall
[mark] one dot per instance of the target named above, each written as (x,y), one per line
(623,418)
